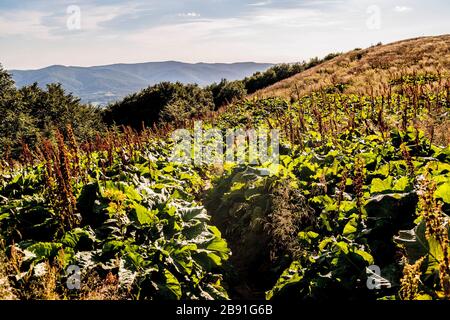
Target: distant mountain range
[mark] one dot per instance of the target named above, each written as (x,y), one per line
(104,84)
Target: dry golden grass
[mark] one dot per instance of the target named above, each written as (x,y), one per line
(287,219)
(369,71)
(6,291)
(96,288)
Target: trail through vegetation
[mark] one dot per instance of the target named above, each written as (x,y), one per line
(363,181)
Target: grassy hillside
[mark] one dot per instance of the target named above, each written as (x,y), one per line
(376,71)
(367,71)
(356,209)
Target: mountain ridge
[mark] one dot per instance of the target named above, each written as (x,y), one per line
(106,83)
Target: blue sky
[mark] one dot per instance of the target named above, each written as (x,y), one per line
(35,33)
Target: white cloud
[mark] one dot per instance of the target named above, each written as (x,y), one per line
(20,23)
(260,4)
(260,23)
(263,35)
(189,15)
(402,9)
(294,18)
(41,25)
(92,17)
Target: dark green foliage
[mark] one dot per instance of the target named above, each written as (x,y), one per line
(227,92)
(6,83)
(280,72)
(139,222)
(164,102)
(341,232)
(31,113)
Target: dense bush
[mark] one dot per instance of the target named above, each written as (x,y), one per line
(164,102)
(226,92)
(31,113)
(261,80)
(121,215)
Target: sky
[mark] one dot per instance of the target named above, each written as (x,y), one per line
(39,33)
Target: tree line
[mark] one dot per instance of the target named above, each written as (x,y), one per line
(30,114)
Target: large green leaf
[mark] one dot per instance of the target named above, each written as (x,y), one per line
(443,192)
(45,250)
(350,227)
(417,246)
(381,186)
(84,238)
(143,215)
(171,289)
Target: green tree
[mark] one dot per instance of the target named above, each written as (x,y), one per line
(280,72)
(163,102)
(30,113)
(14,122)
(6,83)
(226,92)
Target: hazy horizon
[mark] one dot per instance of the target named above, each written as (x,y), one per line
(37,34)
(143,62)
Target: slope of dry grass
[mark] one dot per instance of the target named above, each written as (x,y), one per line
(369,71)
(379,71)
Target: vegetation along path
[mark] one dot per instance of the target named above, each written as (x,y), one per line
(362,188)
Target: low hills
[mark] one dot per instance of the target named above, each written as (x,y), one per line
(104,84)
